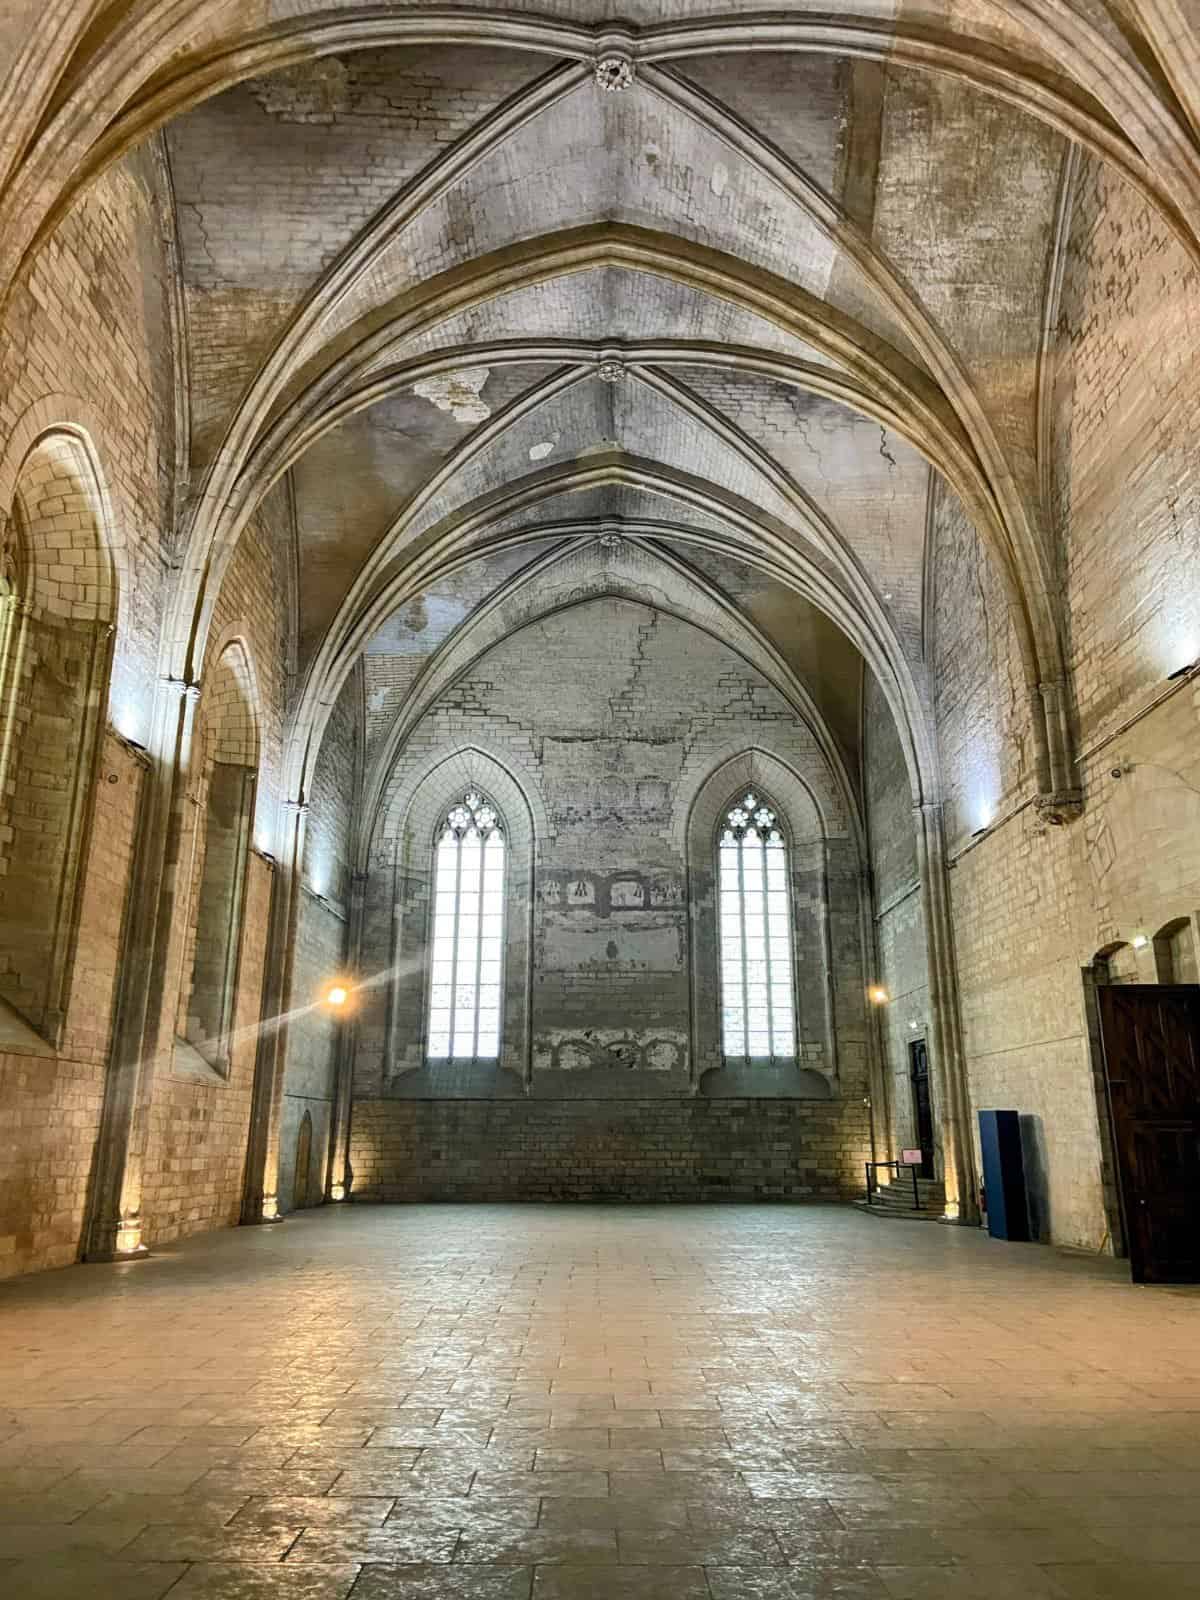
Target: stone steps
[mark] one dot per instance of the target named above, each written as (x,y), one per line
(896,1200)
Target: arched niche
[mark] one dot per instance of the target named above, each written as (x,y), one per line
(57,607)
(815,1072)
(1175,952)
(397,929)
(225,775)
(1116,963)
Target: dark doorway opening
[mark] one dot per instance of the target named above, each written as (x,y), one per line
(1150,1037)
(300,1177)
(918,1074)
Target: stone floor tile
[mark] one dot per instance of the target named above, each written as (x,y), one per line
(335,1545)
(270,1483)
(574,1582)
(545,1481)
(792,1583)
(443,1583)
(1039,1546)
(65,1502)
(83,1577)
(661,1387)
(180,1541)
(1127,1580)
(684,1546)
(208,1580)
(535,1546)
(46,1538)
(190,1507)
(969,1582)
(265,1511)
(611,1511)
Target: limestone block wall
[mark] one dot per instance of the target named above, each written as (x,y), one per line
(199,1126)
(638,1150)
(899,919)
(645,709)
(1033,905)
(200,1118)
(314,1034)
(50,1103)
(86,344)
(612,889)
(87,341)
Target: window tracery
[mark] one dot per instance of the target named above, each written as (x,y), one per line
(757,1006)
(466,970)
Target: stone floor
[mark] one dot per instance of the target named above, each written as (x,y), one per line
(575,1403)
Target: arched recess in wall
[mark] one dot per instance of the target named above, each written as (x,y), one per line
(302,1184)
(224,777)
(814,1072)
(398,920)
(58,601)
(1175,952)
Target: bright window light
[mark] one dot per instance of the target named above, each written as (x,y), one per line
(758,1019)
(468,931)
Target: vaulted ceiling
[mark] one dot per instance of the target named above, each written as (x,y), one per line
(475,287)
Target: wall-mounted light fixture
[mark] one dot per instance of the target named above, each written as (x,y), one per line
(129,1239)
(877,995)
(1140,941)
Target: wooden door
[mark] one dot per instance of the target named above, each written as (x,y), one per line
(1151,1039)
(303,1163)
(918,1063)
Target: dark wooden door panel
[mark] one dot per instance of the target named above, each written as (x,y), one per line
(1151,1039)
(922,1104)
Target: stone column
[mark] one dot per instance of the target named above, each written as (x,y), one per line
(949,1064)
(260,1200)
(338,1183)
(879,1084)
(114,1227)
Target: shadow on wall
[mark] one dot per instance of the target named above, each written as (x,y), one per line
(1037,1188)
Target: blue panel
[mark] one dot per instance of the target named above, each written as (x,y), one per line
(1003,1174)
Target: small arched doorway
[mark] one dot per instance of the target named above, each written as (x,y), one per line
(1146,1048)
(301,1170)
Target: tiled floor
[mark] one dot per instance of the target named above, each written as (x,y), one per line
(575,1403)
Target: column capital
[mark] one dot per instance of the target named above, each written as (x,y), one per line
(181,687)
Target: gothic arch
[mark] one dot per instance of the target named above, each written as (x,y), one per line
(826,885)
(57,611)
(397,920)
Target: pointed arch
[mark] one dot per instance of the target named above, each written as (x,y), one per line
(825,883)
(397,928)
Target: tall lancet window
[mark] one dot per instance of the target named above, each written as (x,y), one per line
(468,915)
(757,1008)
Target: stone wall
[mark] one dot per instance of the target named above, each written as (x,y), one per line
(901,964)
(645,711)
(633,1150)
(314,1034)
(50,1103)
(1033,905)
(88,344)
(601,784)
